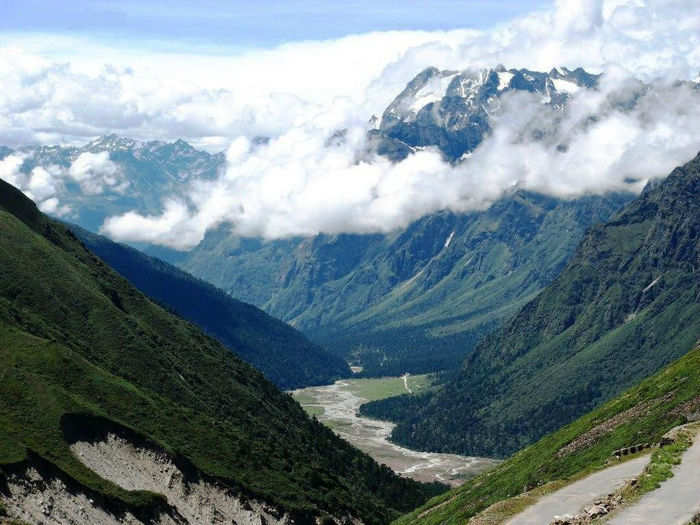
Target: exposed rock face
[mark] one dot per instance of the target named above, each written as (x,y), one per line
(139,468)
(36,497)
(452,110)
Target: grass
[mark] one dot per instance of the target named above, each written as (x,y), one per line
(315,411)
(304,398)
(665,398)
(660,467)
(385,387)
(79,340)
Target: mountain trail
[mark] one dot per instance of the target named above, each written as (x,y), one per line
(571,499)
(675,502)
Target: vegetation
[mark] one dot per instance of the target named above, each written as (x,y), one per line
(382,388)
(661,465)
(83,350)
(640,415)
(625,306)
(284,355)
(407,301)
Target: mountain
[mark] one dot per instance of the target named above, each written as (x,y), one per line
(119,174)
(640,415)
(627,304)
(281,353)
(453,110)
(413,301)
(417,300)
(108,402)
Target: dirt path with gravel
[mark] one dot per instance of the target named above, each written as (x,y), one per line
(675,502)
(572,498)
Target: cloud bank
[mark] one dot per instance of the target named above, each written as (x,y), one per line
(299,185)
(95,172)
(299,94)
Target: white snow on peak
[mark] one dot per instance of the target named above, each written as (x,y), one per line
(468,86)
(504,78)
(560,71)
(433,91)
(565,86)
(449,239)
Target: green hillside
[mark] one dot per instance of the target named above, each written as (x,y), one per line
(82,349)
(641,415)
(627,304)
(284,355)
(416,300)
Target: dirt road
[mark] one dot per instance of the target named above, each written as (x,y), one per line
(675,502)
(572,498)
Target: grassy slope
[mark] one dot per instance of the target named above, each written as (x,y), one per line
(78,338)
(414,303)
(280,352)
(627,304)
(662,401)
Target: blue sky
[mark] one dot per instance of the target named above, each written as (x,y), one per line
(246,23)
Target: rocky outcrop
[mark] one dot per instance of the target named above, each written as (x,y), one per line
(196,501)
(39,493)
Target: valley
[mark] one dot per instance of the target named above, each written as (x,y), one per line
(336,406)
(438,269)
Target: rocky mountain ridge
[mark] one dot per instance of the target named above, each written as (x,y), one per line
(625,305)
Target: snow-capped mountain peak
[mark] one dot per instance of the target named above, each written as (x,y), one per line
(452,109)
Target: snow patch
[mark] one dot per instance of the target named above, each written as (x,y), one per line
(504,79)
(449,239)
(565,86)
(433,91)
(651,285)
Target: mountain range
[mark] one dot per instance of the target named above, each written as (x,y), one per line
(414,300)
(626,304)
(564,329)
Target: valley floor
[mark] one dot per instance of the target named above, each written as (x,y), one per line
(337,405)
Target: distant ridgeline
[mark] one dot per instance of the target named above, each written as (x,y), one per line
(85,353)
(627,304)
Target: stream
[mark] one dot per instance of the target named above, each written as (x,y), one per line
(340,406)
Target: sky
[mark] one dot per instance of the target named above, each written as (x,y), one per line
(244,24)
(224,73)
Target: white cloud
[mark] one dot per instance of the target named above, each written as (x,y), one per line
(300,93)
(41,184)
(95,172)
(297,185)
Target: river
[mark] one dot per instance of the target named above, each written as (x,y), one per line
(340,406)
